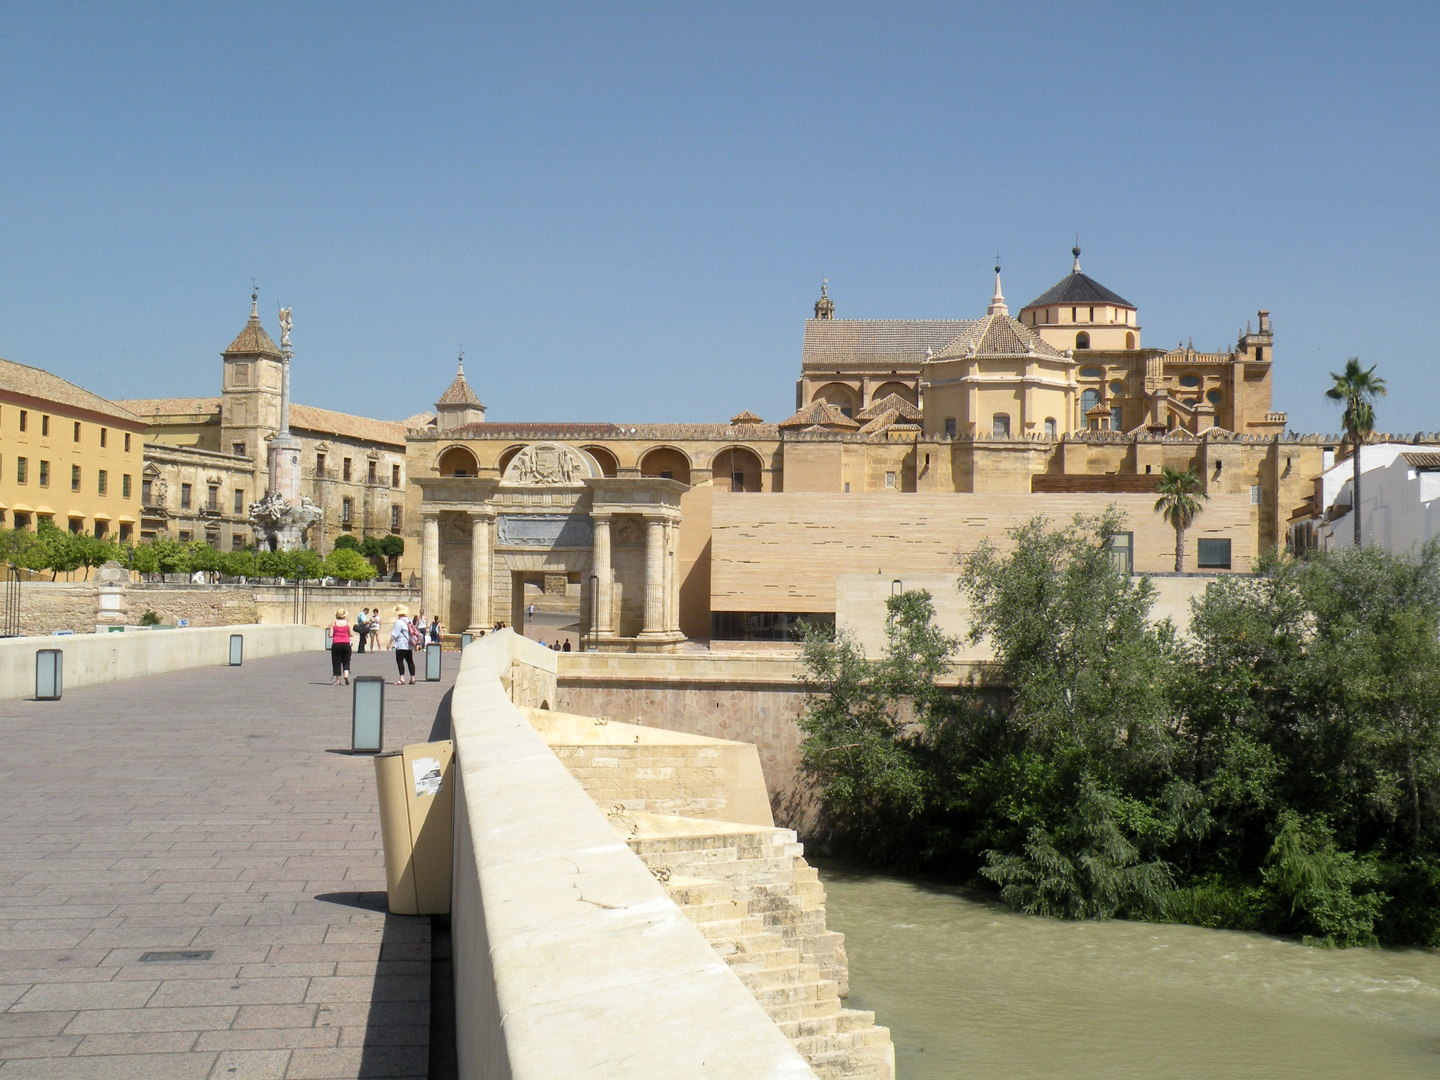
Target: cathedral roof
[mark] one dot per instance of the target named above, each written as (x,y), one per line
(998,335)
(253,340)
(878,341)
(819,414)
(1079,288)
(890,403)
(745,417)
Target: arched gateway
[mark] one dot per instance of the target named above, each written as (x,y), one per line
(554,517)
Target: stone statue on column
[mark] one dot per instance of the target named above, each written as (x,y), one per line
(283,517)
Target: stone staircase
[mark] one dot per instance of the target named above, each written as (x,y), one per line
(762,908)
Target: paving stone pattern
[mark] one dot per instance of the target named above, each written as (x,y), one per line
(200,810)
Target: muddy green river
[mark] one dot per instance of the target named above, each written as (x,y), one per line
(969,990)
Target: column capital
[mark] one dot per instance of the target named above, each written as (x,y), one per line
(484,513)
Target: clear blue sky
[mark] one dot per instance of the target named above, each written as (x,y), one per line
(624,211)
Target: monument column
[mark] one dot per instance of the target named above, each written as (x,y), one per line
(480,570)
(601,603)
(654,578)
(430,561)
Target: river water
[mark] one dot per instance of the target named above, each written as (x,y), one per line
(970,990)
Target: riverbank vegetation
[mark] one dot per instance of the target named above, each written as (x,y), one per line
(1276,768)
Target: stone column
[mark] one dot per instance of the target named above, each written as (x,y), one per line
(672,580)
(601,603)
(654,578)
(429,562)
(480,571)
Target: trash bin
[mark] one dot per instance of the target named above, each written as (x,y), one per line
(416,797)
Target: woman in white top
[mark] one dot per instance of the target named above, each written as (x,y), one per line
(404,649)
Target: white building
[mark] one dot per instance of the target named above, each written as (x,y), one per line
(1399,501)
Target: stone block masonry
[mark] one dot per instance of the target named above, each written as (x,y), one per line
(199,811)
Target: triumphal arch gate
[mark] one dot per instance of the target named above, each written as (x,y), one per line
(553,511)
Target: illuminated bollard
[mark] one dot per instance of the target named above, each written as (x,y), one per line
(49,674)
(432,662)
(367,715)
(237,649)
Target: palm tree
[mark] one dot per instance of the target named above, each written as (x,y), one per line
(1358,388)
(1178,504)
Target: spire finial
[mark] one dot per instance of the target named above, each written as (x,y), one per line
(1076,252)
(254,299)
(824,307)
(997,302)
(460,364)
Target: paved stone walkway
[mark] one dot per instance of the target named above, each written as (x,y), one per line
(200,810)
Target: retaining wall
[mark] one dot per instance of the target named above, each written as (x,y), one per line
(91,659)
(570,958)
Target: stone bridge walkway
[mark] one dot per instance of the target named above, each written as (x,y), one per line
(202,811)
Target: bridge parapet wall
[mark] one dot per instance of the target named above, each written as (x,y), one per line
(570,958)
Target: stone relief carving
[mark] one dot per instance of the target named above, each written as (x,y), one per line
(548,464)
(545,530)
(628,532)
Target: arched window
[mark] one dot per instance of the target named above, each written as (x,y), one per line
(507,457)
(457,461)
(1082,340)
(604,458)
(667,462)
(1050,427)
(736,469)
(843,397)
(1089,399)
(1000,425)
(1129,341)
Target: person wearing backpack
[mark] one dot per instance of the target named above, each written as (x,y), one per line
(402,640)
(362,629)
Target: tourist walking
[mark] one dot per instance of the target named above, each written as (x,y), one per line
(362,629)
(435,630)
(401,641)
(340,649)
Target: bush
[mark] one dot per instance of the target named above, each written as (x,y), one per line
(149,619)
(346,542)
(1317,890)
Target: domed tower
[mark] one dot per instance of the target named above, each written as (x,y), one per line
(1079,313)
(459,405)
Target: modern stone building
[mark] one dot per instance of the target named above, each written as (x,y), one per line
(1060,410)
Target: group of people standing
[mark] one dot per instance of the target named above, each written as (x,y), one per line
(406,635)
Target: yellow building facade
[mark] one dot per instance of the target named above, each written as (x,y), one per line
(67,456)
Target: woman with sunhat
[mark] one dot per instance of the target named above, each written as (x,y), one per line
(401,643)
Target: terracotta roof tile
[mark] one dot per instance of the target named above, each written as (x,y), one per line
(899,341)
(819,414)
(253,341)
(174,406)
(1424,462)
(890,403)
(460,393)
(745,417)
(309,418)
(998,335)
(38,383)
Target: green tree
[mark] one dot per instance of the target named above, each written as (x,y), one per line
(307,565)
(347,564)
(276,564)
(204,558)
(392,547)
(171,556)
(1358,388)
(238,563)
(1178,504)
(869,725)
(62,552)
(145,561)
(346,541)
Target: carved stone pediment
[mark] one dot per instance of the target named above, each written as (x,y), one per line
(550,464)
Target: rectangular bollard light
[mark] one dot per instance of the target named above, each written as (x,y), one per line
(432,662)
(49,674)
(367,715)
(465,640)
(237,649)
